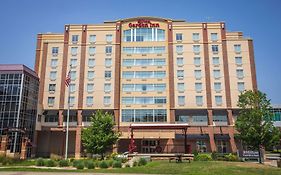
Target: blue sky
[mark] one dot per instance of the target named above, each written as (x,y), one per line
(22,20)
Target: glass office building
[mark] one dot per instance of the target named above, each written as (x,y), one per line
(19,87)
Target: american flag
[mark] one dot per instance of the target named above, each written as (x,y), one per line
(68,79)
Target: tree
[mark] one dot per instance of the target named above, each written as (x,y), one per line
(254,122)
(100,135)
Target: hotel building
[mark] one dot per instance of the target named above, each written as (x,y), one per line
(146,71)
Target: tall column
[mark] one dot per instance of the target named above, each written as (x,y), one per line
(78,143)
(212,139)
(79,118)
(230,117)
(210,117)
(172,115)
(4,141)
(60,119)
(232,140)
(23,148)
(34,144)
(116,118)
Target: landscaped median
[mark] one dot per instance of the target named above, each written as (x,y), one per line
(203,164)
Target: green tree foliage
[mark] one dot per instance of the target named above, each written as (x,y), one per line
(254,122)
(100,135)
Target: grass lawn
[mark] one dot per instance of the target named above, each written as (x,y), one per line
(164,167)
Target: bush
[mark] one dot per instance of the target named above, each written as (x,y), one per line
(142,162)
(50,163)
(90,164)
(203,157)
(117,164)
(7,160)
(231,157)
(121,159)
(80,165)
(135,163)
(40,162)
(195,153)
(103,164)
(76,162)
(63,163)
(110,162)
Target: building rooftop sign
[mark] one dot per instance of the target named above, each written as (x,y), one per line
(143,23)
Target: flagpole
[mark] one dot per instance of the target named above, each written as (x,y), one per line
(67,120)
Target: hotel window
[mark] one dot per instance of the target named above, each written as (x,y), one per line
(54,63)
(199,100)
(238,60)
(215,48)
(127,100)
(75,38)
(91,62)
(217,86)
(128,74)
(127,115)
(51,101)
(179,49)
(89,101)
(239,73)
(196,49)
(179,36)
(214,36)
(92,51)
(128,62)
(221,146)
(159,62)
(92,38)
(160,100)
(201,146)
(72,75)
(144,100)
(241,86)
(182,119)
(108,38)
(91,75)
(107,87)
(198,74)
(53,75)
(237,48)
(160,87)
(127,35)
(90,87)
(52,87)
(180,87)
(159,49)
(108,62)
(73,62)
(160,35)
(128,87)
(200,118)
(143,34)
(160,115)
(159,74)
(198,87)
(218,100)
(143,87)
(195,37)
(106,100)
(180,61)
(55,51)
(216,61)
(143,115)
(180,73)
(74,51)
(107,74)
(108,49)
(143,62)
(72,88)
(181,100)
(217,74)
(220,118)
(197,61)
(71,101)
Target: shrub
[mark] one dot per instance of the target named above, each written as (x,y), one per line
(50,163)
(63,163)
(40,162)
(80,165)
(142,162)
(76,162)
(203,157)
(127,165)
(135,163)
(90,164)
(103,164)
(7,160)
(117,164)
(231,157)
(195,153)
(110,162)
(121,159)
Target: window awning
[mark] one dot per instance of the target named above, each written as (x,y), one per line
(221,137)
(71,112)
(51,112)
(193,136)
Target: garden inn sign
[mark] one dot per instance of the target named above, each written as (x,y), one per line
(143,23)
